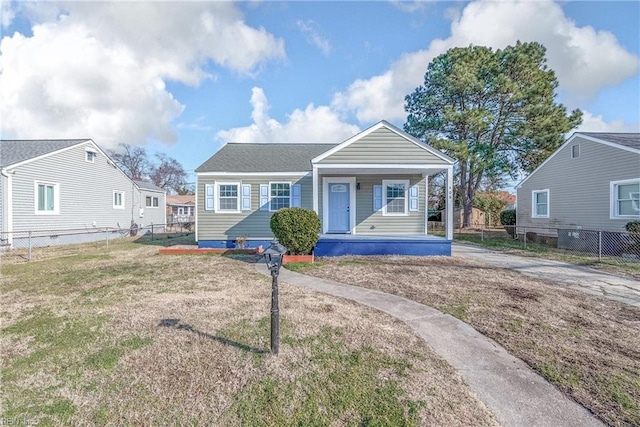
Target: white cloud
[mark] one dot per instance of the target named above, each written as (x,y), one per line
(313,124)
(98,69)
(595,123)
(585,61)
(312,35)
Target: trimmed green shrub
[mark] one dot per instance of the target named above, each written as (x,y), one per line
(633,227)
(508,220)
(297,229)
(508,217)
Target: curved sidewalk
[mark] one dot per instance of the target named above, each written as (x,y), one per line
(572,276)
(510,389)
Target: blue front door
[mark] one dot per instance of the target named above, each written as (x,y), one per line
(339,208)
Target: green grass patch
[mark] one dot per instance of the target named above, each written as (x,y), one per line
(340,385)
(301,267)
(459,310)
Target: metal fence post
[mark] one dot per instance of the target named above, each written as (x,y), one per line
(29,245)
(482,233)
(599,245)
(525,237)
(151,231)
(106,230)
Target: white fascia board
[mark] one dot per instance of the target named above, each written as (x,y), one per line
(305,173)
(378,166)
(569,141)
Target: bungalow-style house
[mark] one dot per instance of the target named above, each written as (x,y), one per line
(61,185)
(369,191)
(592,182)
(181,208)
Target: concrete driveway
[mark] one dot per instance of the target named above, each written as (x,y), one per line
(572,276)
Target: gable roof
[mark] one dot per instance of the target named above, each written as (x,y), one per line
(17,151)
(390,127)
(264,157)
(624,141)
(181,199)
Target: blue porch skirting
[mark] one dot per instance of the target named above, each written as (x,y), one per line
(369,245)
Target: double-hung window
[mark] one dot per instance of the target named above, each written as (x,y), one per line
(625,199)
(90,156)
(279,195)
(540,204)
(118,200)
(151,202)
(46,195)
(228,195)
(395,197)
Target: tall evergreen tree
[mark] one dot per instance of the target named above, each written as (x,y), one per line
(493,111)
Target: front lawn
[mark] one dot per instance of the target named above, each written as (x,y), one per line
(588,346)
(128,337)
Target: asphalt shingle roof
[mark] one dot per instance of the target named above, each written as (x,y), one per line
(146,185)
(631,140)
(15,151)
(264,157)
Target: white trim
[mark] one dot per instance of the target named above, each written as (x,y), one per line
(569,141)
(352,200)
(56,197)
(195,213)
(216,206)
(390,127)
(9,210)
(534,209)
(613,198)
(271,197)
(113,199)
(300,174)
(380,166)
(385,183)
(315,189)
(426,204)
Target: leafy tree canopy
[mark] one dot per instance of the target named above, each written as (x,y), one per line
(494,111)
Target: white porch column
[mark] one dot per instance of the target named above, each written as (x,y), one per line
(315,190)
(449,203)
(426,203)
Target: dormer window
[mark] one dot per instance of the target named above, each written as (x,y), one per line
(90,156)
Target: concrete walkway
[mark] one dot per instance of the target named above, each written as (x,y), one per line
(572,276)
(510,389)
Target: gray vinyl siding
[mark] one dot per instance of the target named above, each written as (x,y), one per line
(85,193)
(370,222)
(3,207)
(383,147)
(252,223)
(579,189)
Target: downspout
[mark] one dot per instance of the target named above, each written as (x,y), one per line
(9,177)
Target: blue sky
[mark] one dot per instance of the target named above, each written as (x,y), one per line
(185,77)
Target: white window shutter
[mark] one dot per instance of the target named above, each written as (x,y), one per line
(246,197)
(210,197)
(413,198)
(264,197)
(296,199)
(377,197)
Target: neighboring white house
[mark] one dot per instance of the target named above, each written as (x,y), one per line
(59,185)
(369,191)
(592,182)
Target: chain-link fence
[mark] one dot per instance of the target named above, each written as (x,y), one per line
(591,243)
(29,245)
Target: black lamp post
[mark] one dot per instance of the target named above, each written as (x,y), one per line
(273,256)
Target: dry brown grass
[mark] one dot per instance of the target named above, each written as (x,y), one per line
(587,346)
(129,337)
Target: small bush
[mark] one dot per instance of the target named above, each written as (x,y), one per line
(508,217)
(633,227)
(297,229)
